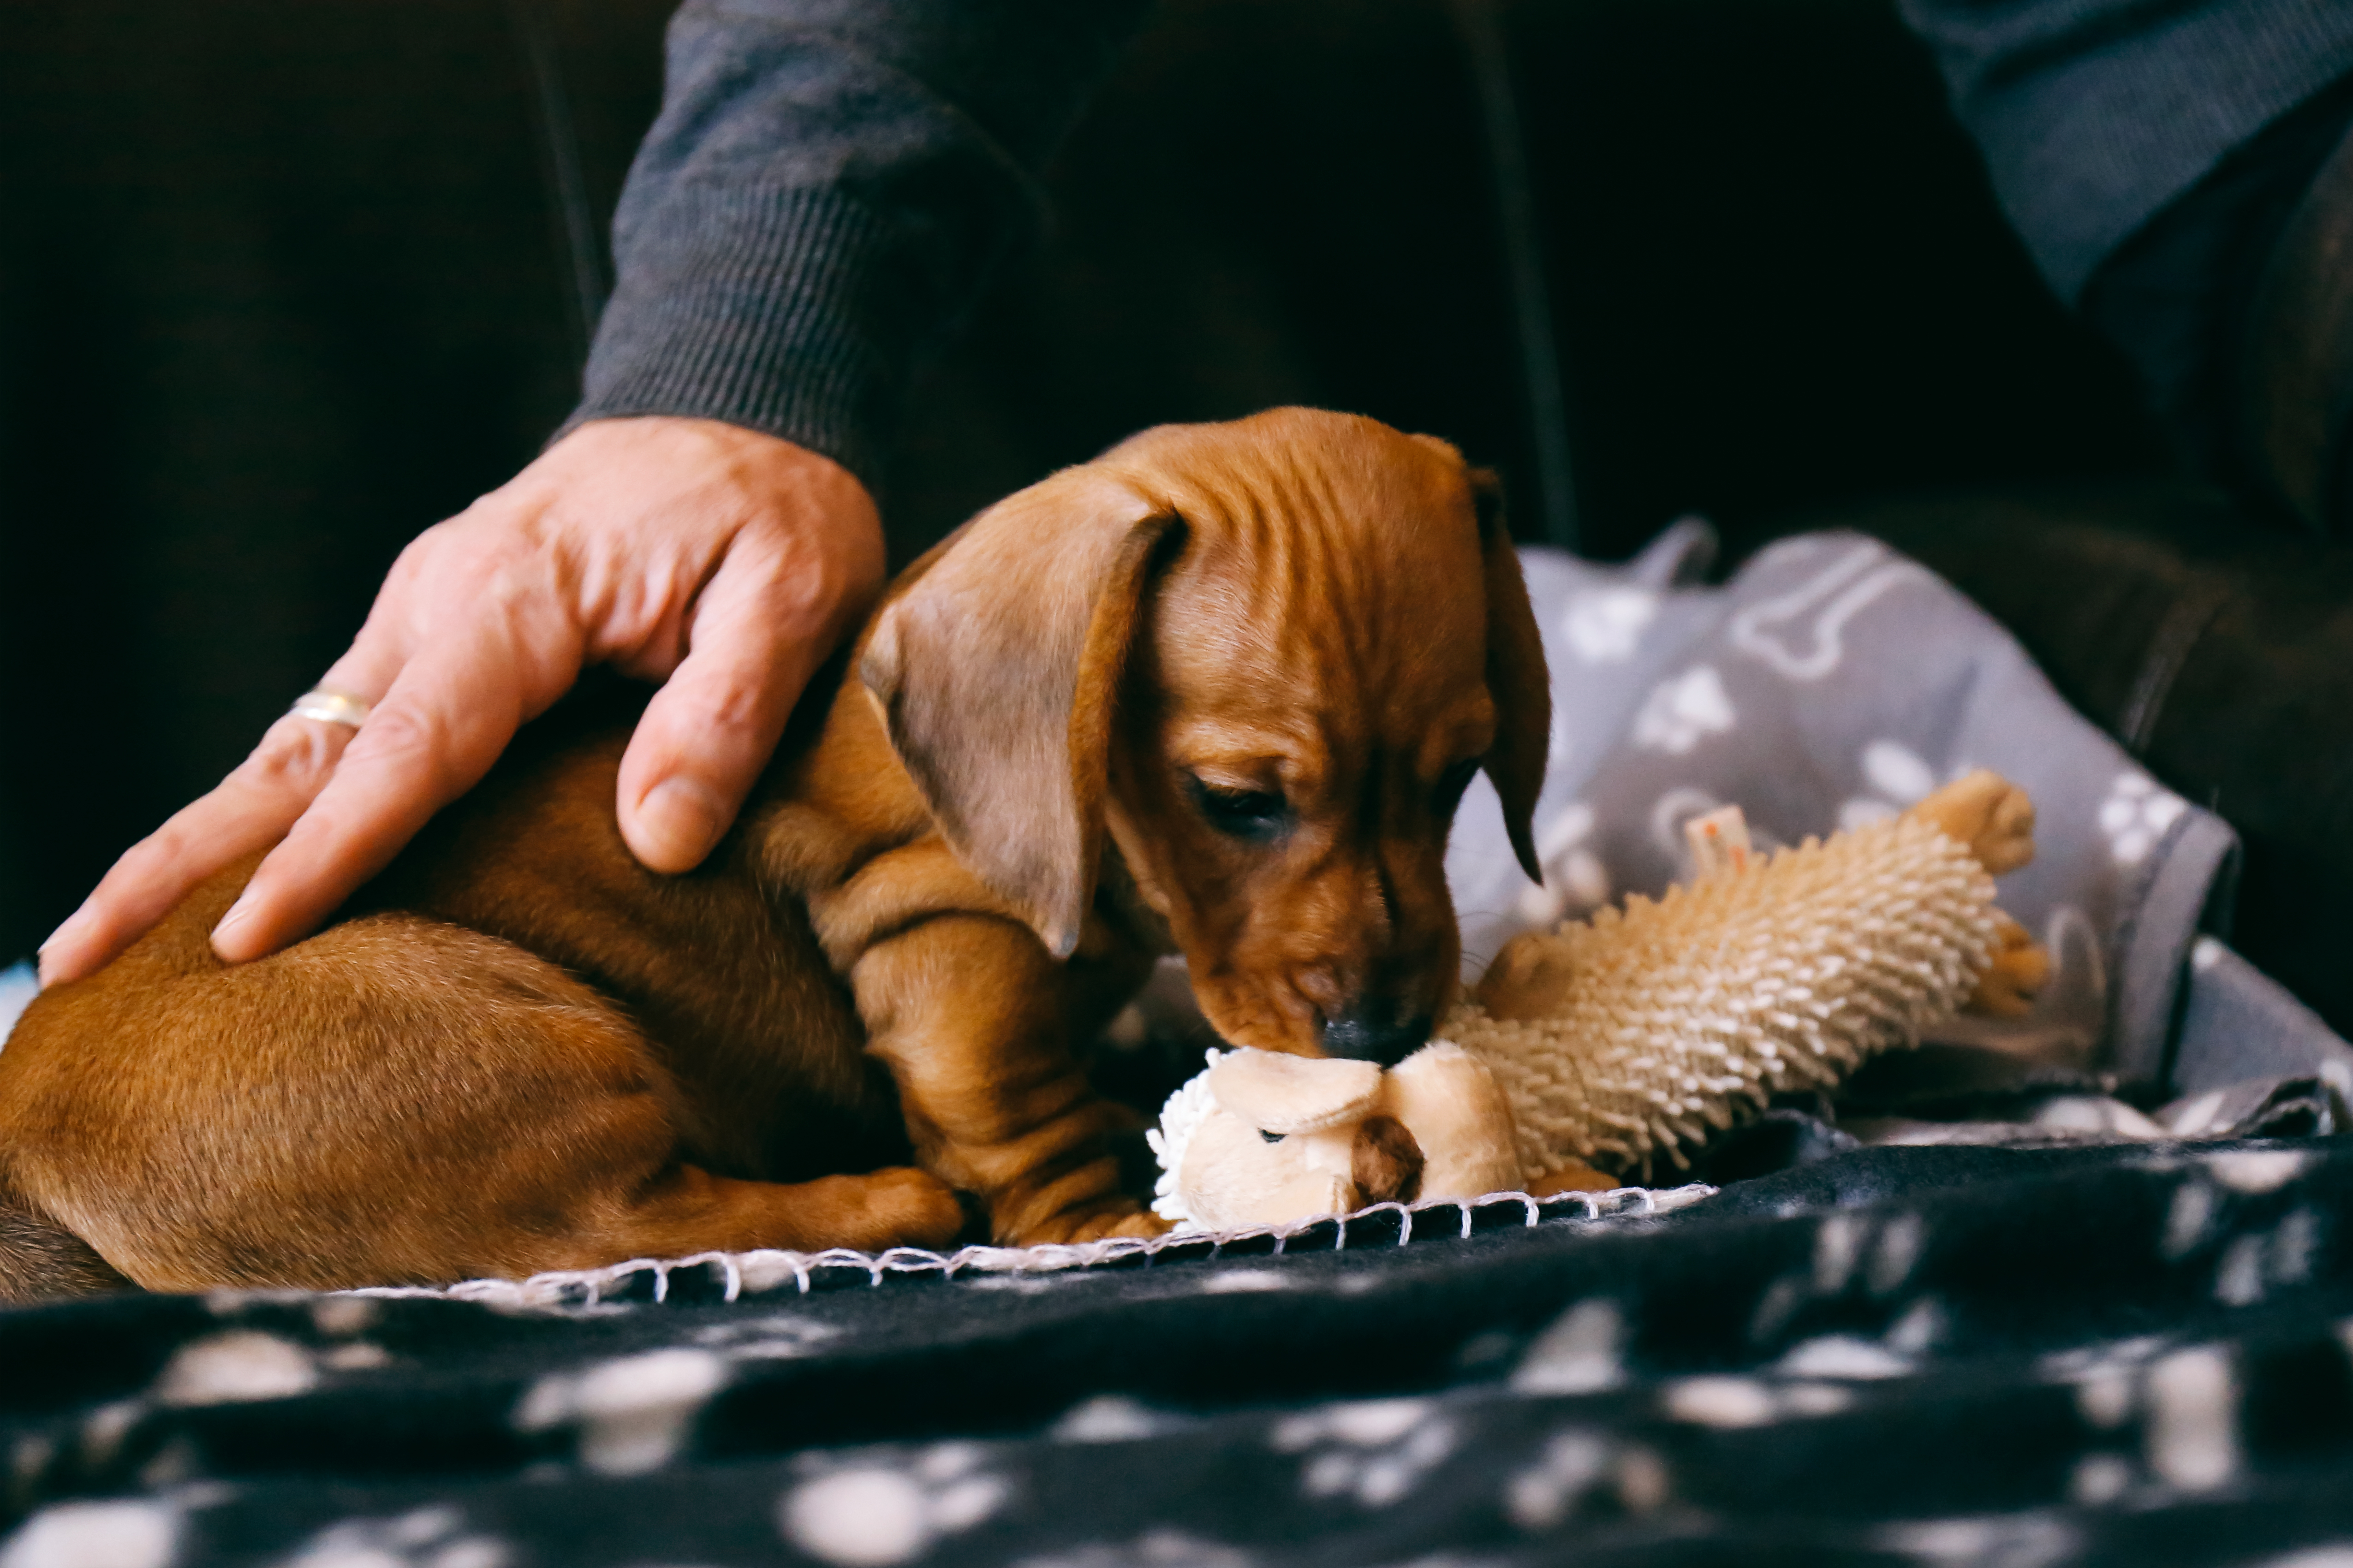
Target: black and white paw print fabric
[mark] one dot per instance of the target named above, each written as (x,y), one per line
(2107,1352)
(1889,1358)
(861,1512)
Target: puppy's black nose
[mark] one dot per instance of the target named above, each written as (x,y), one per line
(1375,1029)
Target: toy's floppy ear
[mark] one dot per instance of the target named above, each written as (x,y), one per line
(1449,1099)
(1285,1094)
(996,672)
(1516,677)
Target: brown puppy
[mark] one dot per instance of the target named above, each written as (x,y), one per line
(1218,692)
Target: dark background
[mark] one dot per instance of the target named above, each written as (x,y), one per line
(1778,275)
(284,281)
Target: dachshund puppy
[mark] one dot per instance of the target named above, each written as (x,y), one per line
(1217,692)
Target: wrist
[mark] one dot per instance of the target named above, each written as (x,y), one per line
(757,309)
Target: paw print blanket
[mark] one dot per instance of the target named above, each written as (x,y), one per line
(2072,1289)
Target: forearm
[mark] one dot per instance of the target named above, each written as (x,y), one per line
(830,186)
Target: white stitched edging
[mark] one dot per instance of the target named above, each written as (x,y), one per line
(744,1273)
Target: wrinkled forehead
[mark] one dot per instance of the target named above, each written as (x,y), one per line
(1336,572)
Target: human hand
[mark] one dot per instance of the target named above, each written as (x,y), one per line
(725,563)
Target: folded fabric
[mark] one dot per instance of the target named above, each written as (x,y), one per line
(1833,681)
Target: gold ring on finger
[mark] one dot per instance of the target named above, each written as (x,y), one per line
(330,706)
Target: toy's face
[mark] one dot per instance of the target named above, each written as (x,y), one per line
(1290,1138)
(1294,1137)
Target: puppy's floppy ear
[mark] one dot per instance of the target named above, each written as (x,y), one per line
(1516,677)
(996,671)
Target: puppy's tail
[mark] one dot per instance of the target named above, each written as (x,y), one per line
(43,1261)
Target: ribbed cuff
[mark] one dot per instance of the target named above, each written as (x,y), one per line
(2094,114)
(752,307)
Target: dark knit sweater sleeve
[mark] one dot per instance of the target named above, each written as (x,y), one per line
(2094,114)
(828,188)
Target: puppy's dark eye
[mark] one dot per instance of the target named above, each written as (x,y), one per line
(1452,782)
(1270,1137)
(1253,814)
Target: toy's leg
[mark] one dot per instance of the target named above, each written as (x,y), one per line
(1574,1178)
(1988,813)
(2021,967)
(1995,820)
(1531,978)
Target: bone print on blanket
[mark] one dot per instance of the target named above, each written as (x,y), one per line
(1831,682)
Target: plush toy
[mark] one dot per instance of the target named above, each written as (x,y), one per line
(1595,1051)
(1263,1137)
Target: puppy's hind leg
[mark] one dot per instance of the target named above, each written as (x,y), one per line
(687,1210)
(42,1261)
(395,1101)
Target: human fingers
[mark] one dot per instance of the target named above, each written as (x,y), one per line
(771,614)
(446,717)
(251,809)
(604,547)
(248,810)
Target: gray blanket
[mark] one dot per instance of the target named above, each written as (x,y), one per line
(1833,681)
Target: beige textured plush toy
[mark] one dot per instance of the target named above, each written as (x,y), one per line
(1603,1048)
(1261,1136)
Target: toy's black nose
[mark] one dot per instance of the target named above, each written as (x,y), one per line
(1376,1029)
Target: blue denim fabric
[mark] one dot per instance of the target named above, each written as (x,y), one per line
(17,988)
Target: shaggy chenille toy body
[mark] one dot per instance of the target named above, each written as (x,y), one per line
(1605,1047)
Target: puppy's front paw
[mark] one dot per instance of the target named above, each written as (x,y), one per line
(907,1207)
(1098,1224)
(1987,811)
(1142,1222)
(2020,968)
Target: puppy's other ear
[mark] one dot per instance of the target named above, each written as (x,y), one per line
(995,671)
(1516,678)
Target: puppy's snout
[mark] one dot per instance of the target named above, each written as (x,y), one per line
(1376,1029)
(1385,1162)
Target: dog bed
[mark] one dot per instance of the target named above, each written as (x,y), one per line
(2035,1294)
(1915,1355)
